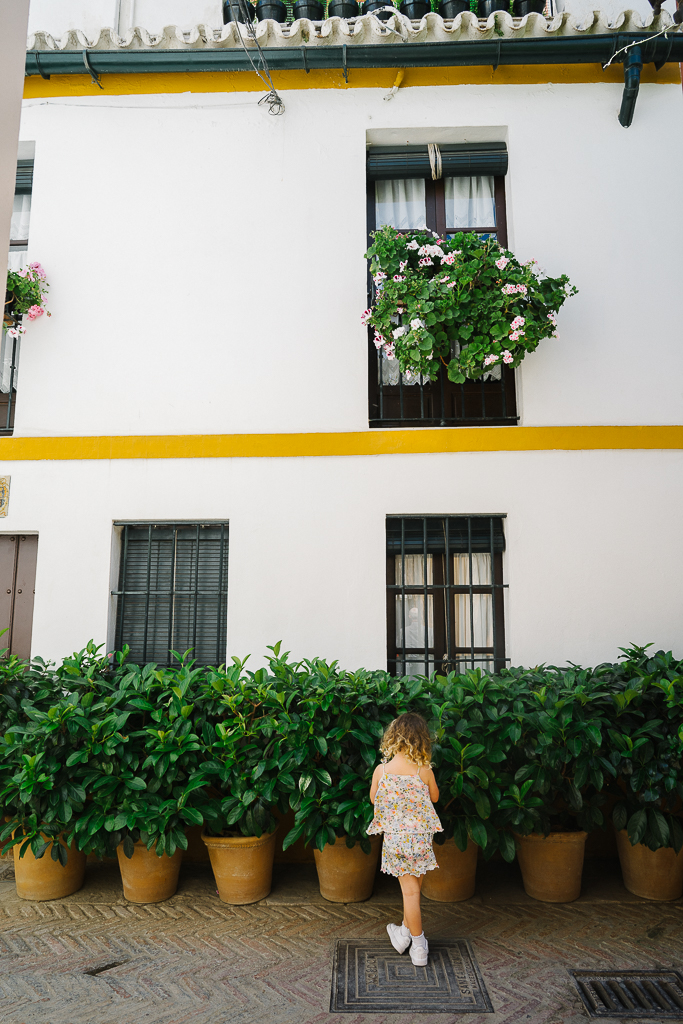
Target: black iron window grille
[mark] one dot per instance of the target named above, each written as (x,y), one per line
(173,592)
(447,205)
(445,606)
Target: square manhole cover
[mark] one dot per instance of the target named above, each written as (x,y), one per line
(371,977)
(653,994)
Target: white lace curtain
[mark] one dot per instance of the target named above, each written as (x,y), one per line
(470,620)
(470,203)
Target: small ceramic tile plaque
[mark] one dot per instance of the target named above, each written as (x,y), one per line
(4,495)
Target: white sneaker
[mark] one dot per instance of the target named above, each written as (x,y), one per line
(419,950)
(400,937)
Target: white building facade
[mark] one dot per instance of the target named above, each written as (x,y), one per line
(197,440)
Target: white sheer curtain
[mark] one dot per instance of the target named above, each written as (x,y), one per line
(481,615)
(414,613)
(21,216)
(469,203)
(6,348)
(400,203)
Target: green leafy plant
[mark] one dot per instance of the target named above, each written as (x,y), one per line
(25,293)
(461,302)
(647,748)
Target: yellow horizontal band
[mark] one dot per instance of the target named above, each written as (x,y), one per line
(368,442)
(36,87)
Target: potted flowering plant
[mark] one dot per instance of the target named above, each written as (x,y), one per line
(461,302)
(25,293)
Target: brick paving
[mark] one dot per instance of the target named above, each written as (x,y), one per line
(195,960)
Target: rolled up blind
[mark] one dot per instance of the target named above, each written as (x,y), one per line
(466,160)
(24,180)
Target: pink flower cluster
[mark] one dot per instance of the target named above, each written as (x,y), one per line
(379,340)
(430,250)
(515,335)
(403,264)
(34,311)
(449,259)
(507,356)
(502,262)
(365,316)
(511,289)
(426,261)
(490,359)
(519,321)
(399,277)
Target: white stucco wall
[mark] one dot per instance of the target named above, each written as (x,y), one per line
(206,259)
(593,559)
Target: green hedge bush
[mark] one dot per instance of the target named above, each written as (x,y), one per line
(104,752)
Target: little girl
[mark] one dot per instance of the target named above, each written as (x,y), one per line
(403,790)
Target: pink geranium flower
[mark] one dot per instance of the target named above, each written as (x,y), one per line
(34,311)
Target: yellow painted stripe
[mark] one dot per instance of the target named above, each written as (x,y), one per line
(36,87)
(368,442)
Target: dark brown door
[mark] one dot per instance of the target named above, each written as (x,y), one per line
(18,556)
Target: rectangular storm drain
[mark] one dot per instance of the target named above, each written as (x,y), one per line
(652,994)
(105,967)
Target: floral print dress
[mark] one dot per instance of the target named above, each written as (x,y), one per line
(406,816)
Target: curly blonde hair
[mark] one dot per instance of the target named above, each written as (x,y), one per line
(408,735)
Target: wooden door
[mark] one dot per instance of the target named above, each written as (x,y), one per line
(18,557)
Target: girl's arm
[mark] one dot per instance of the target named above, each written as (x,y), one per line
(376,776)
(431,782)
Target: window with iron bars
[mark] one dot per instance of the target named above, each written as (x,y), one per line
(446,205)
(173,592)
(445,607)
(18,246)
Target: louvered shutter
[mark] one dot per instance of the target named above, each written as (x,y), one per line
(173,592)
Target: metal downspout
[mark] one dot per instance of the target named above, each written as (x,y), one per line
(633,65)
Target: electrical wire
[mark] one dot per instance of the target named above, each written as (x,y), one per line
(642,42)
(272,99)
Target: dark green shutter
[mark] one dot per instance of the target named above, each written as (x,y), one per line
(173,592)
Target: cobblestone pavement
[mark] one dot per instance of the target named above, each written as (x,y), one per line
(194,959)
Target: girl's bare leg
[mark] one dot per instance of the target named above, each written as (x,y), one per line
(411,886)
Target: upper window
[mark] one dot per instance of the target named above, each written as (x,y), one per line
(173,592)
(21,215)
(445,608)
(9,347)
(417,187)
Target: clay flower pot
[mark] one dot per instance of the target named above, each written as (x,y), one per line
(347,875)
(552,865)
(454,879)
(242,866)
(147,878)
(652,874)
(45,878)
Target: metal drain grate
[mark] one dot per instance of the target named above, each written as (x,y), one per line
(370,977)
(652,994)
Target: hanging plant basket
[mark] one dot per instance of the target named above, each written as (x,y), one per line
(461,302)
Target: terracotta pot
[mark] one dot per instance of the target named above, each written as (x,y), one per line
(147,878)
(242,866)
(552,865)
(347,875)
(454,879)
(45,878)
(652,874)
